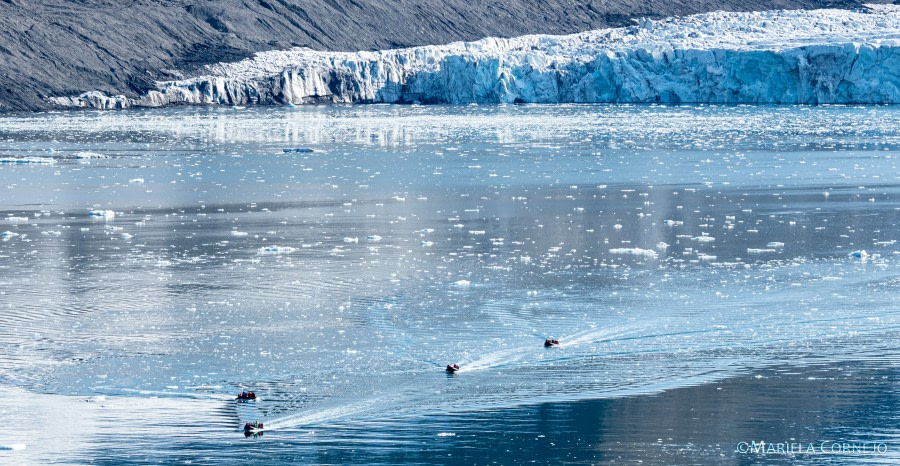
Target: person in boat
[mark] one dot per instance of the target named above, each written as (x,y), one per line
(451,368)
(550,342)
(255,425)
(246,396)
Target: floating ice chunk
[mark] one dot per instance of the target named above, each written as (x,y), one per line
(462,283)
(16,220)
(13,446)
(662,246)
(427,244)
(476,232)
(861,254)
(706,257)
(298,150)
(206,387)
(136,181)
(674,223)
(648,253)
(238,233)
(446,434)
(759,250)
(83,155)
(269,250)
(373,238)
(27,160)
(8,234)
(102,213)
(617,226)
(351,240)
(704,239)
(774,244)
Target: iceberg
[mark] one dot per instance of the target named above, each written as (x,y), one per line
(84,155)
(826,56)
(107,214)
(27,160)
(270,250)
(648,253)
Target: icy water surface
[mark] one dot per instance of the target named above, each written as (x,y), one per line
(335,259)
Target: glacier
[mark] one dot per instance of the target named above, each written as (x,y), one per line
(826,56)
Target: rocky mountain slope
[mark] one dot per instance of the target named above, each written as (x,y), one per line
(62,48)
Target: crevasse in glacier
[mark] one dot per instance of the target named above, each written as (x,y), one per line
(787,57)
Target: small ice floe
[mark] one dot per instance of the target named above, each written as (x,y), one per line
(269,250)
(704,239)
(85,155)
(674,223)
(136,181)
(13,446)
(760,250)
(462,283)
(427,244)
(648,253)
(662,246)
(706,257)
(617,226)
(297,150)
(446,434)
(16,220)
(27,160)
(348,239)
(107,214)
(238,233)
(373,238)
(861,254)
(8,234)
(205,387)
(476,232)
(774,244)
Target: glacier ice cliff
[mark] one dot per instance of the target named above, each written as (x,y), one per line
(782,57)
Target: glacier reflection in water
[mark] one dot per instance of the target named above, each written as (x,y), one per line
(191,257)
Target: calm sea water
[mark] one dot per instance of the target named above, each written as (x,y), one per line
(154,263)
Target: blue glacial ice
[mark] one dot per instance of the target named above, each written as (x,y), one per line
(783,57)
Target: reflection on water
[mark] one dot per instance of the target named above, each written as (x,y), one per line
(664,246)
